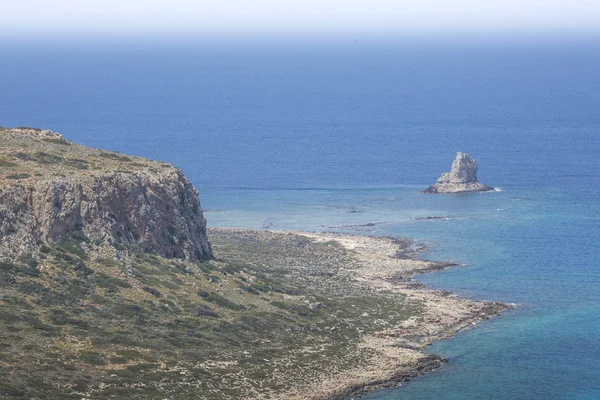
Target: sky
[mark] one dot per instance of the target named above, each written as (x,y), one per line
(205,18)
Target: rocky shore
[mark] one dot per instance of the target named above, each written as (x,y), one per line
(395,353)
(112,287)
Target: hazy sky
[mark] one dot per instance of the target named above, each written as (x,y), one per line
(235,17)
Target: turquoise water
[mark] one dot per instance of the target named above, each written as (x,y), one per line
(534,247)
(331,138)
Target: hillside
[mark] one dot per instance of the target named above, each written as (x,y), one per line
(109,288)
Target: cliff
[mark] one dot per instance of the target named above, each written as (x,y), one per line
(53,190)
(108,289)
(461,178)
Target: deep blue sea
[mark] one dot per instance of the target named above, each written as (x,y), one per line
(320,137)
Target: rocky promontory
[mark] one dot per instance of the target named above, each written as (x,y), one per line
(461,178)
(109,289)
(53,190)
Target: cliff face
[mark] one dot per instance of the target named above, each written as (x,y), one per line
(461,178)
(48,196)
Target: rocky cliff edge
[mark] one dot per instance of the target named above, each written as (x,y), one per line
(53,190)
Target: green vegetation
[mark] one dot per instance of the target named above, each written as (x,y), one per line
(75,325)
(62,142)
(115,156)
(82,321)
(18,176)
(4,163)
(45,158)
(77,163)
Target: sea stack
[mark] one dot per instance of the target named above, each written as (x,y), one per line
(461,178)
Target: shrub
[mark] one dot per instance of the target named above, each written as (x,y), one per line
(128,309)
(77,163)
(7,266)
(248,289)
(115,156)
(279,304)
(110,283)
(204,267)
(10,391)
(207,312)
(29,287)
(223,302)
(18,176)
(93,358)
(152,291)
(81,270)
(45,158)
(71,246)
(57,141)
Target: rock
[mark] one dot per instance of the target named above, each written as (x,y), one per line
(461,178)
(122,201)
(35,133)
(160,211)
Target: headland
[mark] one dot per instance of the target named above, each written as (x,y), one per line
(111,286)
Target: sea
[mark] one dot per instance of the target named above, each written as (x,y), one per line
(343,136)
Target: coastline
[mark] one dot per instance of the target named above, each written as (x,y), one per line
(395,353)
(142,304)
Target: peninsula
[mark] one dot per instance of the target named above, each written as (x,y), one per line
(461,178)
(112,286)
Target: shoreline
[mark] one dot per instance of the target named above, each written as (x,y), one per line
(397,353)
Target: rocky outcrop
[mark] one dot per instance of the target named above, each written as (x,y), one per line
(461,178)
(160,212)
(33,133)
(149,204)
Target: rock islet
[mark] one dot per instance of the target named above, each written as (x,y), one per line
(461,178)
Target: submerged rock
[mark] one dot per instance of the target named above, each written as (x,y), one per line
(461,178)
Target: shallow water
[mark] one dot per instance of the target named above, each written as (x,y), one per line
(323,140)
(531,247)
